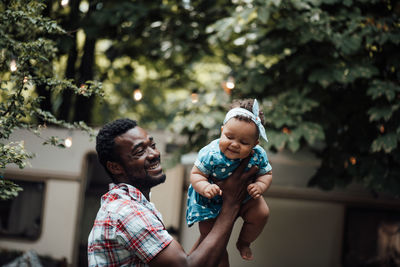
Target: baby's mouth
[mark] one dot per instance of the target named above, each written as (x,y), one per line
(232,151)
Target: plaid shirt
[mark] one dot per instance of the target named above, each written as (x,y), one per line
(127,231)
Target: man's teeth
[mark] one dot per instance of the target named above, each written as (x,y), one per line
(154,166)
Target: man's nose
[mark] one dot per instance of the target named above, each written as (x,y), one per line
(153,152)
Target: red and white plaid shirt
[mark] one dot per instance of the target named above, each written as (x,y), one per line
(127,231)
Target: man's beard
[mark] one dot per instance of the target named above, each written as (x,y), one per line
(147,182)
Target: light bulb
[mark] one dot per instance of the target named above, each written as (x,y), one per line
(230,83)
(137,95)
(13,65)
(64,2)
(195,98)
(68,142)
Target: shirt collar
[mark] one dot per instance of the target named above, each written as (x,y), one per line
(132,191)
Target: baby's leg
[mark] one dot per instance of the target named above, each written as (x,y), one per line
(205,227)
(255,213)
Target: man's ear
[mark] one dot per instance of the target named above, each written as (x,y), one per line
(114,167)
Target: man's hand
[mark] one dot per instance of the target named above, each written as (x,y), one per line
(234,187)
(211,191)
(210,250)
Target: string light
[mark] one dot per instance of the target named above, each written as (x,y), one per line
(286,130)
(64,3)
(230,83)
(195,98)
(137,95)
(353,160)
(25,79)
(13,65)
(68,142)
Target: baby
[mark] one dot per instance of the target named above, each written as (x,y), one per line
(239,138)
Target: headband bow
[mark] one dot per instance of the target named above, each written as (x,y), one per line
(251,115)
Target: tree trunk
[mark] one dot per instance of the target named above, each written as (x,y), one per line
(84,105)
(41,90)
(71,25)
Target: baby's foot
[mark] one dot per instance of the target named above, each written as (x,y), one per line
(245,250)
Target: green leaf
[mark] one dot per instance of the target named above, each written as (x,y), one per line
(386,89)
(387,143)
(312,132)
(8,189)
(263,14)
(385,113)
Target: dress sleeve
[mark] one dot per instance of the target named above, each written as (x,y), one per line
(264,164)
(204,160)
(144,234)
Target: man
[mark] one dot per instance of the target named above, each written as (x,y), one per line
(128,230)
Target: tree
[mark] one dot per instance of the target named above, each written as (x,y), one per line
(27,58)
(152,45)
(327,72)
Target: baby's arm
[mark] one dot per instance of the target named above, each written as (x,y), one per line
(201,185)
(261,185)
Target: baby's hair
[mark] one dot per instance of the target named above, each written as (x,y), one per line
(246,104)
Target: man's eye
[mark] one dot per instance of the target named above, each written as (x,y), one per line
(229,137)
(139,152)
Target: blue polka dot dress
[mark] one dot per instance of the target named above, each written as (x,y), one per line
(212,162)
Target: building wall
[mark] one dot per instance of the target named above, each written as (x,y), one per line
(59,222)
(306,226)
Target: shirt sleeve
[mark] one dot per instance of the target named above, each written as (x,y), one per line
(264,165)
(144,234)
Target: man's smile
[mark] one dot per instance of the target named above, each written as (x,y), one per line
(154,167)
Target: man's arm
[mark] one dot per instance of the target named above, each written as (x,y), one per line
(210,250)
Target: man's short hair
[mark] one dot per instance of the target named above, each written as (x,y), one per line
(105,140)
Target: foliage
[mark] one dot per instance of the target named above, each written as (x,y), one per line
(327,72)
(26,62)
(8,189)
(151,46)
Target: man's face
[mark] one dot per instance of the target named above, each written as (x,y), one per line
(139,158)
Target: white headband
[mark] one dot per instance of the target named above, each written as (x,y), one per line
(253,116)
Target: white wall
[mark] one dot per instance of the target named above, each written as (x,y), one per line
(59,222)
(299,233)
(64,171)
(52,161)
(167,197)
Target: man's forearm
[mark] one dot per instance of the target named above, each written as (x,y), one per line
(210,250)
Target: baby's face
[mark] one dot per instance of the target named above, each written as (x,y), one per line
(238,138)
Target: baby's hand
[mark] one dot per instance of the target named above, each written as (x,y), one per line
(254,190)
(211,191)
